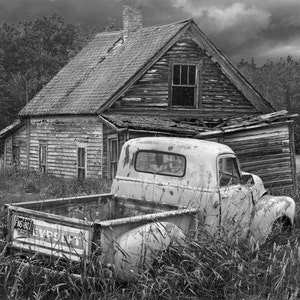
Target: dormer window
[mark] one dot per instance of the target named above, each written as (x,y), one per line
(185,86)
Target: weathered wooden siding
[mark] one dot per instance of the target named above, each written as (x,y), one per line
(18,139)
(266,152)
(219,96)
(63,135)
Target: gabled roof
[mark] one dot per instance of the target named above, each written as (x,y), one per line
(109,65)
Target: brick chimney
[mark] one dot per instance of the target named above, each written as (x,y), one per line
(132,19)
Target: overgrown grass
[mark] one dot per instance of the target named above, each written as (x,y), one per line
(205,268)
(22,185)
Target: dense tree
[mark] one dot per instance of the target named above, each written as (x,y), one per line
(31,53)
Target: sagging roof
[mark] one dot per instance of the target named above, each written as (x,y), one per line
(110,64)
(192,126)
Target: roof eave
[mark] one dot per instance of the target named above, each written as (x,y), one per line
(11,128)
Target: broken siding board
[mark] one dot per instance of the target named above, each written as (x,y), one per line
(265,152)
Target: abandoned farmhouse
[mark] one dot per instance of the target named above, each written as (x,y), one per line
(167,80)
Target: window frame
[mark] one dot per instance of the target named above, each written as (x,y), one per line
(84,160)
(197,86)
(112,165)
(43,159)
(237,166)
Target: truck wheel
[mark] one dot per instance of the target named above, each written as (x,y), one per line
(136,249)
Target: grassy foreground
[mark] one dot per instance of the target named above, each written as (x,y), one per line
(203,269)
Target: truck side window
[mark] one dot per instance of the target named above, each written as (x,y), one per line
(228,171)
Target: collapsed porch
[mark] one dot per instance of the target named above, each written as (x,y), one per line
(264,143)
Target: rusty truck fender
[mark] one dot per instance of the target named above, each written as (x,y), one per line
(268,210)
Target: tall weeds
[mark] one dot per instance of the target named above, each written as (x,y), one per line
(205,268)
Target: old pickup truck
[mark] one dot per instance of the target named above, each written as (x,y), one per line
(165,189)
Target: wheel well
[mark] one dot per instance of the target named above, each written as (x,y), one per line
(285,223)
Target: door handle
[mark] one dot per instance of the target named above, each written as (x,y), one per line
(216,204)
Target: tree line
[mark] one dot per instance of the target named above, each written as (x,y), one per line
(32,52)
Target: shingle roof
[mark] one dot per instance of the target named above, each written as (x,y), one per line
(103,67)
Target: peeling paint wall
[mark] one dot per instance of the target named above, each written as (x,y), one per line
(219,95)
(63,136)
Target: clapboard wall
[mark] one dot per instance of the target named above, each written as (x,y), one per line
(62,137)
(267,152)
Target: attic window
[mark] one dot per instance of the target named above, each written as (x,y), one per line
(185,86)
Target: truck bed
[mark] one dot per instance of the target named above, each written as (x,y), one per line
(78,226)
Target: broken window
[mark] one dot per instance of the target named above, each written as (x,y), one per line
(113,154)
(161,163)
(81,163)
(43,157)
(229,173)
(184,91)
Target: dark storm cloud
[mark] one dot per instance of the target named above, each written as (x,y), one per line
(244,28)
(251,28)
(93,13)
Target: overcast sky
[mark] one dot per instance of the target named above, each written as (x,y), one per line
(260,29)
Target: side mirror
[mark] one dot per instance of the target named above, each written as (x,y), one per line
(247,179)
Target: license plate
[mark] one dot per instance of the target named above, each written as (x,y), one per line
(24,225)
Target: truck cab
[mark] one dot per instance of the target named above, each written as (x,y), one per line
(193,173)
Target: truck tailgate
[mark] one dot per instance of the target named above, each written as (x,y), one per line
(49,234)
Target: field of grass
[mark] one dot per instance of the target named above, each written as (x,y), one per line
(205,268)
